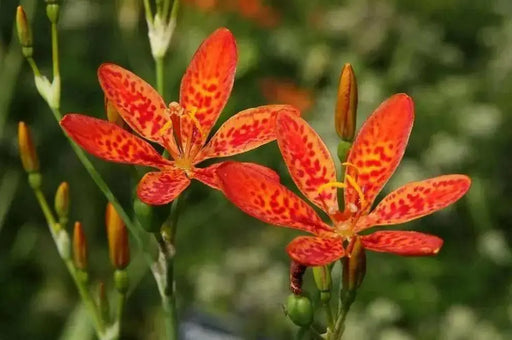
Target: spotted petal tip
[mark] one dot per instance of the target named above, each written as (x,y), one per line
(404,243)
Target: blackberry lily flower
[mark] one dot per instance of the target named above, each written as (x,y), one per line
(181,128)
(374,156)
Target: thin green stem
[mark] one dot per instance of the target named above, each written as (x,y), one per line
(121,301)
(55,51)
(165,8)
(80,284)
(347,298)
(34,67)
(148,12)
(174,10)
(328,313)
(159,61)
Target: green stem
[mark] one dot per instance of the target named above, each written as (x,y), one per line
(55,51)
(80,284)
(159,61)
(328,312)
(121,300)
(148,12)
(347,298)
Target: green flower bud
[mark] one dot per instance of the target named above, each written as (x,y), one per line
(52,10)
(300,310)
(62,202)
(24,32)
(323,281)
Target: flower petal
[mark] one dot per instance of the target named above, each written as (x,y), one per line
(378,149)
(162,187)
(138,103)
(207,83)
(245,131)
(308,160)
(209,175)
(110,142)
(417,199)
(261,196)
(405,243)
(315,251)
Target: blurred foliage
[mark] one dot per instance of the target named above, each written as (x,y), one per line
(452,56)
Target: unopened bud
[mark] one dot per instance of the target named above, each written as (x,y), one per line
(27,150)
(296,274)
(117,235)
(79,247)
(52,10)
(24,32)
(323,281)
(354,266)
(346,104)
(121,281)
(113,115)
(300,310)
(62,202)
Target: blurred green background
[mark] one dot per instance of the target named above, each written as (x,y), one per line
(454,57)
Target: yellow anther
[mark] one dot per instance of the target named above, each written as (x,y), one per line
(192,114)
(351,165)
(357,188)
(331,185)
(164,128)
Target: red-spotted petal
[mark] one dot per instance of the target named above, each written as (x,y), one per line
(405,243)
(263,197)
(137,102)
(245,131)
(417,199)
(162,187)
(110,142)
(208,175)
(207,83)
(308,161)
(378,149)
(316,251)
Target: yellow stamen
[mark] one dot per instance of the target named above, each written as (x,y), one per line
(357,188)
(164,128)
(331,185)
(192,115)
(351,165)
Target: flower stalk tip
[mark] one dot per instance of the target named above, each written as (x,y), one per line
(62,202)
(346,104)
(79,247)
(24,32)
(117,236)
(27,150)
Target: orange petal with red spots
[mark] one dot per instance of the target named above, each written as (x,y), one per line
(162,187)
(137,102)
(208,175)
(261,196)
(308,160)
(316,251)
(245,131)
(110,142)
(405,243)
(208,81)
(378,149)
(417,199)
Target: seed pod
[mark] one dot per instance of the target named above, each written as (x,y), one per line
(300,310)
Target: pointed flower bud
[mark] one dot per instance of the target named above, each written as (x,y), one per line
(323,281)
(24,32)
(354,267)
(62,202)
(27,150)
(117,235)
(296,274)
(300,310)
(113,115)
(79,247)
(346,104)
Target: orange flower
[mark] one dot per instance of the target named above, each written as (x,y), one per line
(373,158)
(182,128)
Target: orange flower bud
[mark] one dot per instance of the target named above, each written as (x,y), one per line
(23,28)
(354,266)
(62,201)
(117,238)
(113,115)
(79,247)
(346,104)
(27,150)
